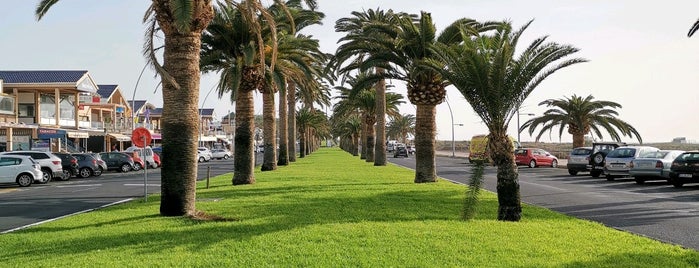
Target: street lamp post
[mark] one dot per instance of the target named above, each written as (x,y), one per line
(518,131)
(453,142)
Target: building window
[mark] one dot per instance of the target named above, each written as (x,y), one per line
(26,110)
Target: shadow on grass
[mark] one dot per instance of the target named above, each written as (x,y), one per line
(299,206)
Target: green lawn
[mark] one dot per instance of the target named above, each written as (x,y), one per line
(332,210)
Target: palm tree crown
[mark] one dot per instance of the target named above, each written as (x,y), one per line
(581,116)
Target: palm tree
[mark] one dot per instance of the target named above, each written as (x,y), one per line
(426,86)
(182,25)
(230,48)
(348,128)
(357,99)
(494,81)
(581,116)
(401,126)
(307,119)
(296,53)
(363,30)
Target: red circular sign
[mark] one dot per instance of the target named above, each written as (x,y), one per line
(141,137)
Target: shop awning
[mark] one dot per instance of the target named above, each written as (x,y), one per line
(120,137)
(78,134)
(207,138)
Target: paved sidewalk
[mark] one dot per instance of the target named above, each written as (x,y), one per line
(461,154)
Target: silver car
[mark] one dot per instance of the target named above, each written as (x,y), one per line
(653,166)
(578,160)
(618,161)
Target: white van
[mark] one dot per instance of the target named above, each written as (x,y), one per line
(148,157)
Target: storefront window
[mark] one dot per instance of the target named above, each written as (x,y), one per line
(48,106)
(7,104)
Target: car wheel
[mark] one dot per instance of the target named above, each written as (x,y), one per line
(595,173)
(98,172)
(532,164)
(125,167)
(554,163)
(137,167)
(572,172)
(225,157)
(639,180)
(201,159)
(610,178)
(598,158)
(24,180)
(46,175)
(66,175)
(84,172)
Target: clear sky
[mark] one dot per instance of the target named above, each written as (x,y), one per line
(639,53)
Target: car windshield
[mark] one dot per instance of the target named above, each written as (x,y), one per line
(622,153)
(581,151)
(658,154)
(692,157)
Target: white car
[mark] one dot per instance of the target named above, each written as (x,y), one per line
(221,154)
(144,153)
(203,154)
(19,169)
(50,164)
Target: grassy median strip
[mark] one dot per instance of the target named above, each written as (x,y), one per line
(332,210)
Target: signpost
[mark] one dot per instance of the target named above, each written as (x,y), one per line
(140,137)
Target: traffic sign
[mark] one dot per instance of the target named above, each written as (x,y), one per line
(141,137)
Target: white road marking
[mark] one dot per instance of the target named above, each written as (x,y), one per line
(141,184)
(65,216)
(78,185)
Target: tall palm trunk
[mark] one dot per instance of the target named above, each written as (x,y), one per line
(302,143)
(578,139)
(270,130)
(362,156)
(509,200)
(380,148)
(244,159)
(179,125)
(425,170)
(291,119)
(355,144)
(283,131)
(370,142)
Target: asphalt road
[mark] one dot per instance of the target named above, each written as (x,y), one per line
(655,209)
(20,207)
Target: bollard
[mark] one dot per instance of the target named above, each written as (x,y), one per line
(208,176)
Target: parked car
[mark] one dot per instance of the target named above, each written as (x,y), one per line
(138,162)
(260,148)
(69,164)
(87,165)
(534,157)
(205,152)
(102,165)
(20,169)
(653,166)
(599,152)
(400,150)
(411,149)
(156,158)
(685,169)
(146,154)
(118,161)
(50,164)
(578,160)
(221,154)
(618,161)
